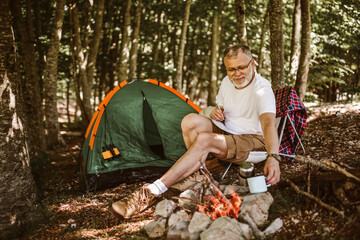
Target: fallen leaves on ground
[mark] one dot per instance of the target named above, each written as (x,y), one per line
(333,132)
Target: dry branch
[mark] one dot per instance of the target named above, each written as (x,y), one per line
(317,176)
(336,167)
(326,164)
(208,175)
(311,161)
(317,200)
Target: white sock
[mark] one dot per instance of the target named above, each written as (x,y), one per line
(157,187)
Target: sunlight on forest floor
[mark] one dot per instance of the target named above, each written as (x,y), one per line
(333,132)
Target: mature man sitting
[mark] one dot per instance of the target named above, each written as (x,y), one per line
(246,106)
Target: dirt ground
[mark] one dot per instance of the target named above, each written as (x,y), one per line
(332,133)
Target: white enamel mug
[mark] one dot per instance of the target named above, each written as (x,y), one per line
(257,184)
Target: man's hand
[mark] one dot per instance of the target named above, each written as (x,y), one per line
(217,115)
(272,171)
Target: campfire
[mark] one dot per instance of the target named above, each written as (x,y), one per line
(219,206)
(209,211)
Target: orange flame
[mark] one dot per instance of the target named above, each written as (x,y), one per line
(218,207)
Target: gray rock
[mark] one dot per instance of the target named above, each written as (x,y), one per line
(220,234)
(274,227)
(156,228)
(236,188)
(230,228)
(199,222)
(188,199)
(179,216)
(165,208)
(179,231)
(257,207)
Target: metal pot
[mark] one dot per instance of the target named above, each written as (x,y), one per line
(246,169)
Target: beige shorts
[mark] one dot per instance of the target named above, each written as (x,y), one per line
(239,146)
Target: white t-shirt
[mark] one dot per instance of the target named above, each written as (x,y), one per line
(243,107)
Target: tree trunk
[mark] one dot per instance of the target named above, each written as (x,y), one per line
(240,21)
(125,40)
(81,56)
(32,93)
(75,41)
(157,35)
(357,75)
(114,50)
(104,63)
(19,206)
(51,74)
(215,42)
(294,55)
(303,71)
(172,45)
(276,43)
(94,46)
(40,47)
(262,41)
(180,59)
(135,41)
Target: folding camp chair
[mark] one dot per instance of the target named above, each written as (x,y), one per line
(290,121)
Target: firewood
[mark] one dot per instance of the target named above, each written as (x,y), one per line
(327,164)
(317,200)
(317,176)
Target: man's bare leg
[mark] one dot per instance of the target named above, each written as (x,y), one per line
(202,144)
(192,125)
(191,161)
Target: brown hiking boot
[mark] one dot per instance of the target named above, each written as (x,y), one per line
(190,181)
(133,204)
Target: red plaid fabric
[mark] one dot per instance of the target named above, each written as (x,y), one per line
(288,102)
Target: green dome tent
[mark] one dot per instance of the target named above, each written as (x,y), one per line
(135,134)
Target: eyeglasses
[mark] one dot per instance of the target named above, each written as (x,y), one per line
(233,70)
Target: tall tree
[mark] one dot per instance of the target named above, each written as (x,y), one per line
(276,44)
(303,71)
(32,93)
(125,41)
(18,201)
(135,41)
(295,39)
(240,21)
(81,60)
(215,42)
(40,46)
(95,43)
(51,74)
(180,59)
(86,53)
(104,63)
(115,42)
(158,20)
(262,41)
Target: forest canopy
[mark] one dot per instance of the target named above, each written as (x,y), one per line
(61,58)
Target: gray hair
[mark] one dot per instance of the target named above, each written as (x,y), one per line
(234,50)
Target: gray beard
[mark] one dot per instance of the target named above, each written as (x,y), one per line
(242,84)
(247,80)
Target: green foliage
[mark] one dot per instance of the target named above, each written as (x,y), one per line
(335,46)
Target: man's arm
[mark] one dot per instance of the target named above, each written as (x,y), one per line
(268,125)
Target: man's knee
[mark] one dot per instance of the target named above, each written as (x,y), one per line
(205,139)
(191,121)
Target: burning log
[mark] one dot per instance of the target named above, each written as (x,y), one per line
(208,175)
(218,206)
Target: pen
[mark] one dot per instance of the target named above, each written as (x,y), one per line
(221,111)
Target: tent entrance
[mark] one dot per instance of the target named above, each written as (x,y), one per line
(152,135)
